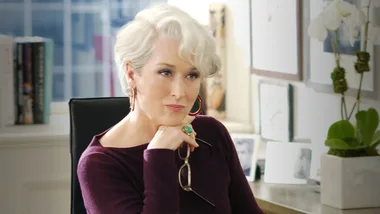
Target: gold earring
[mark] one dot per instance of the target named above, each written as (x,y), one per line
(198,111)
(132,98)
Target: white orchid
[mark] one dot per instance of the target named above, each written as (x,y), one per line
(338,13)
(353,23)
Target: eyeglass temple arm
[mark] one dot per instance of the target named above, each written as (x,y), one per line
(204,142)
(203,198)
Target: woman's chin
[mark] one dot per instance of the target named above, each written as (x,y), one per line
(172,120)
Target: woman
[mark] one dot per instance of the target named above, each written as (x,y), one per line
(143,165)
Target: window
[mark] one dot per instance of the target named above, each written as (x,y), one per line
(83,32)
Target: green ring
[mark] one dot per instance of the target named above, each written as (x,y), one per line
(188,130)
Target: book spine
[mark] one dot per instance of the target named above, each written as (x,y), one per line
(28,84)
(38,72)
(19,83)
(48,84)
(15,101)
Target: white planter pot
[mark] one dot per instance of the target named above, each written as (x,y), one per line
(349,183)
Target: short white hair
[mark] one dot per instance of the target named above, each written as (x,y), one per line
(134,41)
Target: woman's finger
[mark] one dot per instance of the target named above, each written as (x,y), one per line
(191,141)
(188,119)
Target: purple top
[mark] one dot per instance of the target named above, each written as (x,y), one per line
(139,181)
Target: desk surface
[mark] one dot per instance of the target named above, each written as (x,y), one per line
(295,199)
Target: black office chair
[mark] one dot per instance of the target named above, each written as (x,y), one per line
(88,117)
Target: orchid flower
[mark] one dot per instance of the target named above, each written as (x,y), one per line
(337,13)
(353,24)
(327,20)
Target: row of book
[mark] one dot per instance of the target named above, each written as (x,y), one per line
(26,71)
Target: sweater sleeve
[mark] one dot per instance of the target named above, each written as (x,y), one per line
(106,189)
(241,196)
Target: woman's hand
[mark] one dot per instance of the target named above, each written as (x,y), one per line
(172,137)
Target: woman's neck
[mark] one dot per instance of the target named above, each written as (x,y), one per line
(141,124)
(134,130)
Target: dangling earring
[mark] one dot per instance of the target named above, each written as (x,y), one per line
(198,111)
(132,98)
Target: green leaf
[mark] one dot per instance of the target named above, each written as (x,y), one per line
(375,140)
(367,122)
(342,129)
(343,145)
(353,142)
(376,135)
(337,144)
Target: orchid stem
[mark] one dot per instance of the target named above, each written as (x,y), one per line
(365,37)
(335,44)
(336,53)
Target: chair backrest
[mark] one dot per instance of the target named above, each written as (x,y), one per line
(88,117)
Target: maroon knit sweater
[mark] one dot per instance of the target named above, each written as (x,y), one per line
(140,181)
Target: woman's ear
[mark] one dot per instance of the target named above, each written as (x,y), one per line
(130,75)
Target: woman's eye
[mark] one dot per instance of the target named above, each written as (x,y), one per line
(165,73)
(193,76)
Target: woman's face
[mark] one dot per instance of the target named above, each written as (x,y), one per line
(167,86)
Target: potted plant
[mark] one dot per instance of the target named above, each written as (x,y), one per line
(350,171)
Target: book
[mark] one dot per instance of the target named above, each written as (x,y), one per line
(26,80)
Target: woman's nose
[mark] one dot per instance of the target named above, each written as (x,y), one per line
(178,88)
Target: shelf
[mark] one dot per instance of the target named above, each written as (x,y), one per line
(59,128)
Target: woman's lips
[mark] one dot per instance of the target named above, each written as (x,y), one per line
(175,108)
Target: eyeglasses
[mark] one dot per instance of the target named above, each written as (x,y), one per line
(185,171)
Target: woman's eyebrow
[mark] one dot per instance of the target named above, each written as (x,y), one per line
(173,66)
(166,64)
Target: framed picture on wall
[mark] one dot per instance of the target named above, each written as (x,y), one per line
(319,59)
(276,38)
(247,146)
(276,111)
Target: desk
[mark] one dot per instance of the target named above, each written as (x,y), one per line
(295,199)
